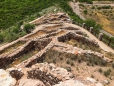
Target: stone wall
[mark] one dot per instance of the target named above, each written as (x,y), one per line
(77,37)
(33,44)
(47,79)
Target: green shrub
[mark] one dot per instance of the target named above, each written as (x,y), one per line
(61,58)
(68,62)
(113,65)
(81,5)
(15,30)
(1,38)
(99,8)
(93,7)
(100,70)
(107,72)
(92,76)
(72,64)
(68,69)
(87,1)
(85,12)
(20,23)
(106,7)
(28,28)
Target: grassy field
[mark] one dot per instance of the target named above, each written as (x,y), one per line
(101,14)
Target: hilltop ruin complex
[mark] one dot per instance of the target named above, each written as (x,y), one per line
(25,58)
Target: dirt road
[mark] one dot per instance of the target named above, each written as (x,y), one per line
(76,9)
(101,44)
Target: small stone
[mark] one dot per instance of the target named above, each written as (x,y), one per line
(106,81)
(91,80)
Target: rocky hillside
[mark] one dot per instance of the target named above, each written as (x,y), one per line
(55,53)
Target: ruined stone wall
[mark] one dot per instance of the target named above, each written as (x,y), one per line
(70,28)
(7,59)
(33,44)
(77,37)
(47,79)
(41,44)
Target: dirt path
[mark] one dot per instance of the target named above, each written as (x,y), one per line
(100,4)
(76,9)
(101,44)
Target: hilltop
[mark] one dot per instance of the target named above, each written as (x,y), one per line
(56,52)
(53,43)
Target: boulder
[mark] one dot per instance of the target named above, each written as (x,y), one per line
(30,82)
(6,79)
(99,84)
(70,83)
(106,81)
(91,80)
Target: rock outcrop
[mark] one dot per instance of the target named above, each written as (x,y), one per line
(6,79)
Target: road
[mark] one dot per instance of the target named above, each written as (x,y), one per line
(76,9)
(100,4)
(101,44)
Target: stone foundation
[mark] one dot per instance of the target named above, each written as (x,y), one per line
(77,37)
(33,44)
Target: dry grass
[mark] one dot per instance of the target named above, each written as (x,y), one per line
(61,32)
(23,57)
(103,16)
(12,47)
(82,45)
(78,65)
(50,28)
(37,34)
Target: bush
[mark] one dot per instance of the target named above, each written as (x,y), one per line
(106,7)
(1,38)
(113,65)
(68,62)
(72,64)
(20,23)
(81,5)
(28,28)
(85,12)
(68,69)
(93,7)
(106,73)
(15,30)
(87,1)
(92,76)
(100,70)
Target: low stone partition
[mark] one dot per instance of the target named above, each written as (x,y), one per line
(57,18)
(49,74)
(47,79)
(79,32)
(70,28)
(12,45)
(77,37)
(5,60)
